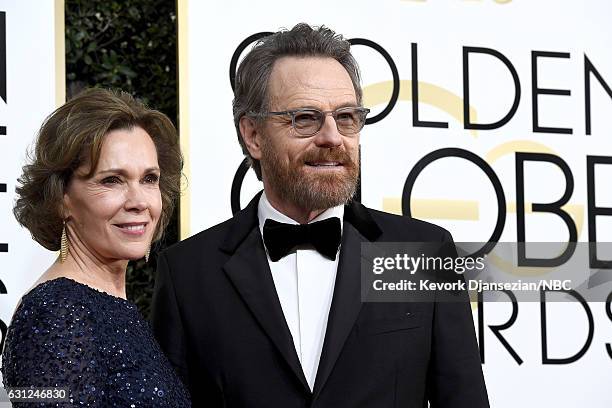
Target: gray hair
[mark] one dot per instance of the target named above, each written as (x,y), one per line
(253,74)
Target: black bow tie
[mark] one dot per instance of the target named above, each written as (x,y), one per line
(281,238)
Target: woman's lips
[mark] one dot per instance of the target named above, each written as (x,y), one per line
(132,228)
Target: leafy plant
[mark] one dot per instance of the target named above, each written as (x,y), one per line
(130,45)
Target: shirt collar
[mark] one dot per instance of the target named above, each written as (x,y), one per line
(265,211)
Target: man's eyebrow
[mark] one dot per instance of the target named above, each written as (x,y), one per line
(348,105)
(339,106)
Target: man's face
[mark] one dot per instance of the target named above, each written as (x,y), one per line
(319,171)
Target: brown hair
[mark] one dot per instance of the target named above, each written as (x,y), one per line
(72,136)
(253,74)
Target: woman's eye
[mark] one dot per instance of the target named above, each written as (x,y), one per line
(151,178)
(111,180)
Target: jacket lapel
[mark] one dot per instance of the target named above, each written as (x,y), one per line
(358,227)
(249,271)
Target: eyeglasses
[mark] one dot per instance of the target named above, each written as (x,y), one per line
(308,122)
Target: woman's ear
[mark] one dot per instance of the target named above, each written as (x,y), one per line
(65,207)
(251,136)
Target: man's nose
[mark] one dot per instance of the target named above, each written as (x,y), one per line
(328,135)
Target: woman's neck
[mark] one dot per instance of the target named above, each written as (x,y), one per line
(89,268)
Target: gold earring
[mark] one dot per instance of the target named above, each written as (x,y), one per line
(63,244)
(148,253)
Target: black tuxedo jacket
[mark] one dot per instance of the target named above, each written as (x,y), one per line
(217,317)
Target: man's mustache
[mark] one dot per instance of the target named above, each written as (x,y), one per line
(329,155)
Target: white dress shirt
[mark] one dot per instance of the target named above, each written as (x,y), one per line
(304,281)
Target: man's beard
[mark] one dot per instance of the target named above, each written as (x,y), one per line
(311,190)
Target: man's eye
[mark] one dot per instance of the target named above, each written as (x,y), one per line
(111,180)
(306,118)
(151,178)
(346,117)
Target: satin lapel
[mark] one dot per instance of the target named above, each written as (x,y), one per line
(250,273)
(345,305)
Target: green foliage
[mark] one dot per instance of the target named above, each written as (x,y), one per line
(130,45)
(126,44)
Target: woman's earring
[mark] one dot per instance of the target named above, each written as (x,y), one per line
(148,253)
(63,244)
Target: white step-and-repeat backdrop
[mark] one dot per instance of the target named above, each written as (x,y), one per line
(456,87)
(32,85)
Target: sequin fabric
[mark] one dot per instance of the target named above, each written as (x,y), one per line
(66,334)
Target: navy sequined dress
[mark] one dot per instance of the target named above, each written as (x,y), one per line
(66,334)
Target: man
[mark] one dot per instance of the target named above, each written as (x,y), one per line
(264,310)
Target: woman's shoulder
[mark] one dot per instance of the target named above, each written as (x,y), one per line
(60,298)
(53,310)
(63,305)
(48,314)
(66,292)
(53,337)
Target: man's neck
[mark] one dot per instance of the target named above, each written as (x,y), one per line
(292,210)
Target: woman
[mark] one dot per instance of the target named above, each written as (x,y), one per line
(100,188)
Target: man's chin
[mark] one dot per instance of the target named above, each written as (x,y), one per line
(327,191)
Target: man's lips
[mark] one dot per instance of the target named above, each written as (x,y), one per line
(324,163)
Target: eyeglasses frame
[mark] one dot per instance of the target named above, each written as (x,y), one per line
(334,113)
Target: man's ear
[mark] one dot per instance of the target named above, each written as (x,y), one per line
(251,136)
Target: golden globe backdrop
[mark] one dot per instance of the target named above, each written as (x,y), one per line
(457,88)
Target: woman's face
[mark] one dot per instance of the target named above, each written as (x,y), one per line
(113,214)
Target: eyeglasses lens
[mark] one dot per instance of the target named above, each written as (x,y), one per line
(349,121)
